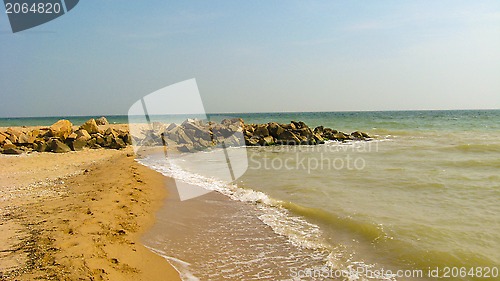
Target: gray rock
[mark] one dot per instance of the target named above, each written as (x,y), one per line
(102,121)
(266,141)
(41,146)
(290,126)
(78,144)
(319,130)
(171,127)
(195,129)
(235,140)
(298,125)
(318,138)
(13,132)
(304,131)
(339,136)
(186,148)
(357,135)
(125,136)
(58,146)
(117,143)
(3,137)
(92,143)
(25,139)
(288,138)
(183,137)
(12,137)
(12,151)
(261,131)
(111,131)
(82,134)
(275,129)
(252,141)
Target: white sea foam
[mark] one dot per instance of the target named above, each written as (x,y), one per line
(180,266)
(296,229)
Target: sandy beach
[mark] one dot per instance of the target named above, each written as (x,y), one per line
(79,216)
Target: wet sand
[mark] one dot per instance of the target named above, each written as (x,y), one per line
(79,215)
(212,237)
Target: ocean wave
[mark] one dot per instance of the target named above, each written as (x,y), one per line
(474,147)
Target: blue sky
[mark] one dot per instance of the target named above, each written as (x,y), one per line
(256,56)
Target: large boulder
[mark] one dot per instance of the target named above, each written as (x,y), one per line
(111,131)
(58,146)
(26,138)
(196,129)
(252,141)
(183,137)
(266,141)
(288,138)
(318,138)
(248,131)
(61,129)
(90,126)
(319,130)
(224,130)
(42,133)
(78,144)
(186,148)
(100,140)
(92,143)
(233,121)
(275,129)
(13,132)
(304,131)
(201,144)
(102,121)
(117,143)
(13,135)
(339,136)
(171,127)
(357,135)
(298,125)
(41,146)
(234,140)
(82,134)
(2,137)
(290,126)
(261,131)
(125,136)
(12,151)
(329,133)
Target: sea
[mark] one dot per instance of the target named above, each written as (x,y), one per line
(420,201)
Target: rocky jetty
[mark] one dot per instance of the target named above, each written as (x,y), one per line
(62,137)
(192,135)
(295,133)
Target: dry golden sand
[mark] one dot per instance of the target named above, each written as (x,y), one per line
(78,216)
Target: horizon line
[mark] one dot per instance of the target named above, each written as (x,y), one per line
(256,112)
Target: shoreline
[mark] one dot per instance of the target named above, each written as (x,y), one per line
(79,215)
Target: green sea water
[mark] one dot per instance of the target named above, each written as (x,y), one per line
(424,195)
